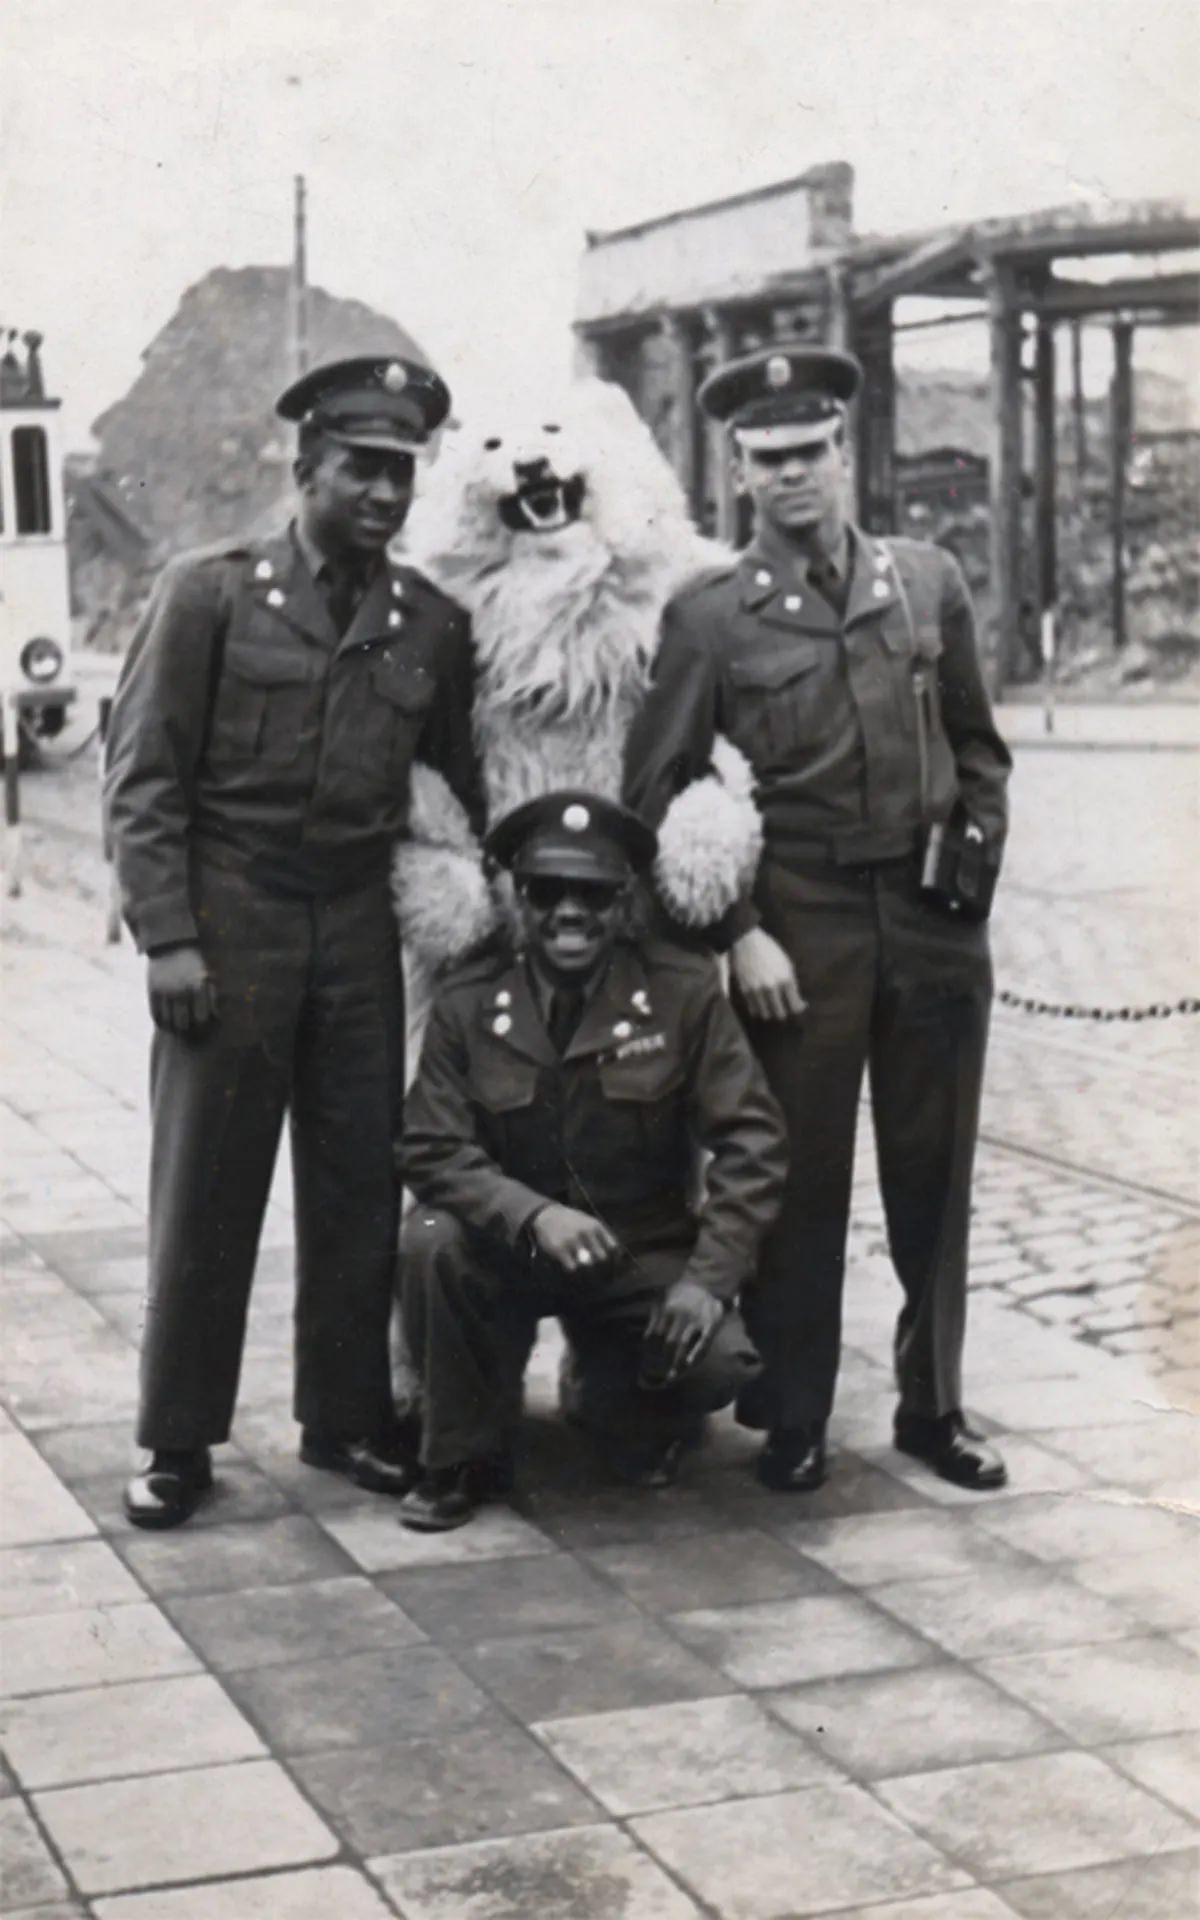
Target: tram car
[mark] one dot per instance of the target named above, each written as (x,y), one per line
(37,683)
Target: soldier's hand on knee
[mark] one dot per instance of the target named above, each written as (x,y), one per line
(182,995)
(683,1325)
(572,1239)
(765,977)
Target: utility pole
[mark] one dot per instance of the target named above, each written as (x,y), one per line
(300,278)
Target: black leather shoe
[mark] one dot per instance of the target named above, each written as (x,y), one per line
(446,1497)
(376,1466)
(794,1460)
(168,1491)
(953,1449)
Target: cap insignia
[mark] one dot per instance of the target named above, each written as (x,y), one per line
(576,819)
(779,371)
(394,377)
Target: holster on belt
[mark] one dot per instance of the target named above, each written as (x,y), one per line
(958,874)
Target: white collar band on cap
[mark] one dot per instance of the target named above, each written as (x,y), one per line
(782,434)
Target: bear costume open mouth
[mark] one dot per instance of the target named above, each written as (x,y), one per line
(542,503)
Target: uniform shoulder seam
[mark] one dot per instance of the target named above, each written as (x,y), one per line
(694,588)
(474,971)
(213,551)
(679,959)
(413,577)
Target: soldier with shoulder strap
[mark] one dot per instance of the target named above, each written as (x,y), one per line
(845,668)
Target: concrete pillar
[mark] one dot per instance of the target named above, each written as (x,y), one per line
(1004,466)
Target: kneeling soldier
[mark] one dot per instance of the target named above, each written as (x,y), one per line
(551,1141)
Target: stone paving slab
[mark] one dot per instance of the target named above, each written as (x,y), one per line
(471,1783)
(90,1646)
(309,1620)
(103,1733)
(1040,1813)
(890,1701)
(30,1875)
(324,1893)
(811,1850)
(775,1643)
(1170,1767)
(122,1834)
(593,1873)
(36,1507)
(1108,1691)
(878,1724)
(685,1753)
(1155,1887)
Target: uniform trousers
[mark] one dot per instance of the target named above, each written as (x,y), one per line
(901,991)
(471,1311)
(310,1025)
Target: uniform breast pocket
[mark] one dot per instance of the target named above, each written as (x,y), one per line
(775,703)
(514,1126)
(644,1108)
(261,704)
(400,694)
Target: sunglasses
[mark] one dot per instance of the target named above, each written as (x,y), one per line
(544,892)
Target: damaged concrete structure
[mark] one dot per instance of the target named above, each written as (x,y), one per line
(662,302)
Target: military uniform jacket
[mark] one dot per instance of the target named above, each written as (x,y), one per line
(859,728)
(498,1123)
(244,728)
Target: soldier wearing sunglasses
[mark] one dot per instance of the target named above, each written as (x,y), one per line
(551,1140)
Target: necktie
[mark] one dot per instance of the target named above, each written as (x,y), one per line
(565,1009)
(824,576)
(343,593)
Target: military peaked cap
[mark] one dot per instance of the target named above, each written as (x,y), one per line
(392,404)
(783,396)
(573,835)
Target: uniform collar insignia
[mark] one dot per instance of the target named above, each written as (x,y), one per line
(872,569)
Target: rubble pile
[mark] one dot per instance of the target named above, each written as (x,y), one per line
(194,450)
(1162,544)
(1162,561)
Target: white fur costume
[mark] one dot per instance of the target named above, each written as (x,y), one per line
(565,615)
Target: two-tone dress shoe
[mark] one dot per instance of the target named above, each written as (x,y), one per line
(377,1466)
(446,1497)
(953,1449)
(794,1459)
(168,1491)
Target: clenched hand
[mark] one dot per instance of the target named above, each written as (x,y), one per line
(183,998)
(572,1239)
(766,978)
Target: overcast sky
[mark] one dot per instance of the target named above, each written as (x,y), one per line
(456,150)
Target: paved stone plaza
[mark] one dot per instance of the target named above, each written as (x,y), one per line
(886,1701)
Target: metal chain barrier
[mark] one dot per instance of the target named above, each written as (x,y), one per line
(1071,1010)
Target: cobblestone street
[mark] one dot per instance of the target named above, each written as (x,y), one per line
(887,1701)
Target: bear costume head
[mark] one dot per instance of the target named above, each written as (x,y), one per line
(563,533)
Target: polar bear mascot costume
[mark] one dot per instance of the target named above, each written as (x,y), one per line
(563,537)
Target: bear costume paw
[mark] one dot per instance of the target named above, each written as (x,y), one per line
(710,842)
(442,899)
